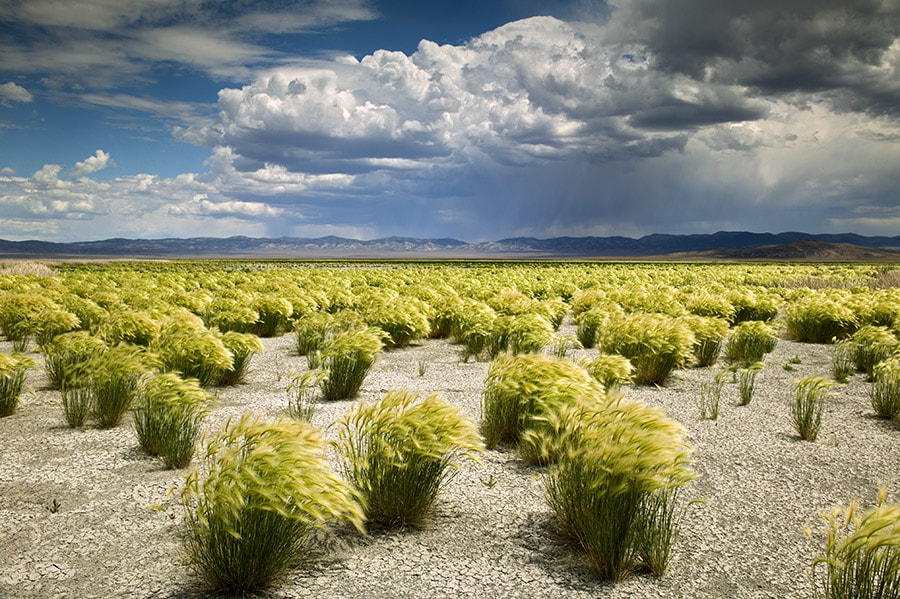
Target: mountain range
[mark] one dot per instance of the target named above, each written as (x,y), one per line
(721,245)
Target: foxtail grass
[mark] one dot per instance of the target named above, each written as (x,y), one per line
(611,461)
(12,380)
(747,382)
(242,346)
(168,414)
(303,394)
(610,370)
(808,405)
(346,360)
(656,345)
(842,361)
(861,554)
(885,390)
(399,452)
(250,505)
(749,342)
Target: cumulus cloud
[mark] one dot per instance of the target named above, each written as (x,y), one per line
(91,164)
(10,92)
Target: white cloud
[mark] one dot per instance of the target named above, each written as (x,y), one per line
(91,164)
(7,171)
(14,93)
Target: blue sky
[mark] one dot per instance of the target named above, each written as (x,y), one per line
(474,120)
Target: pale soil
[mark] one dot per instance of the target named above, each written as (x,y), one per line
(491,535)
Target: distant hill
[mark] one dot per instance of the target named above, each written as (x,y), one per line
(803,250)
(733,245)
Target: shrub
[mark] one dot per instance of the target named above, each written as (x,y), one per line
(817,319)
(871,345)
(66,352)
(842,361)
(250,506)
(168,413)
(610,370)
(611,460)
(242,346)
(656,345)
(747,382)
(346,359)
(749,342)
(808,405)
(885,391)
(861,557)
(399,452)
(709,334)
(310,331)
(302,392)
(12,379)
(520,334)
(129,326)
(520,389)
(186,347)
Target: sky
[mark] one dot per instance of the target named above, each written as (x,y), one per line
(477,120)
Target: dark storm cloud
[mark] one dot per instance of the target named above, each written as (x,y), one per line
(838,48)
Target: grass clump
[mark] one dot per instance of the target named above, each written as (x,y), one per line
(588,325)
(809,404)
(115,376)
(711,396)
(885,391)
(747,382)
(611,370)
(561,346)
(242,346)
(65,353)
(185,346)
(249,507)
(168,413)
(272,315)
(520,389)
(870,345)
(399,452)
(12,379)
(613,489)
(129,326)
(817,319)
(346,359)
(749,342)
(842,361)
(709,335)
(19,316)
(472,326)
(402,319)
(310,331)
(861,557)
(519,334)
(655,345)
(77,398)
(51,322)
(303,393)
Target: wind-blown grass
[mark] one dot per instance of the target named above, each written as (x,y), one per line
(520,389)
(168,413)
(185,346)
(399,452)
(749,342)
(817,319)
(346,359)
(861,557)
(115,376)
(611,370)
(871,345)
(809,404)
(612,459)
(249,507)
(65,353)
(747,382)
(12,379)
(885,390)
(656,345)
(242,346)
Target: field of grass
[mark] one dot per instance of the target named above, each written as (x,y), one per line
(88,512)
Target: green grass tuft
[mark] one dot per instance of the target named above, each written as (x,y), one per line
(399,452)
(809,404)
(249,507)
(12,379)
(749,342)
